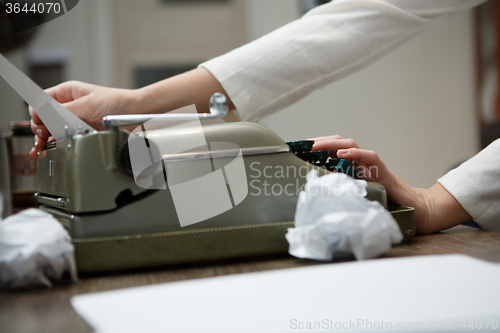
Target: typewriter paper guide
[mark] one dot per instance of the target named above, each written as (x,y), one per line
(60,122)
(422,289)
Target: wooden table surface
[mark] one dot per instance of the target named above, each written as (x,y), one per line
(49,310)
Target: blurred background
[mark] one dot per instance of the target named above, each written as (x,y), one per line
(424,108)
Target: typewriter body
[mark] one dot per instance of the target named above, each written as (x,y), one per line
(82,182)
(86,182)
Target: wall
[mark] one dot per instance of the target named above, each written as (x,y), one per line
(12,107)
(149,33)
(102,41)
(67,39)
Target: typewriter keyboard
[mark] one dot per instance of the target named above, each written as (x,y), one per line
(321,158)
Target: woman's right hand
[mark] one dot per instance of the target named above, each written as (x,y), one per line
(368,164)
(87,101)
(435,208)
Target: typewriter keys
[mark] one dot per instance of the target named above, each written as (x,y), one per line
(302,149)
(319,157)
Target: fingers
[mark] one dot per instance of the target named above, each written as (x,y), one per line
(66,91)
(37,151)
(334,143)
(329,137)
(34,117)
(371,166)
(41,135)
(61,93)
(40,130)
(367,162)
(367,157)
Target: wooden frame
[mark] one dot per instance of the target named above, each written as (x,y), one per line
(487,40)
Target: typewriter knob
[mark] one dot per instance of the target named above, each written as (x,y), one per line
(218,105)
(123,158)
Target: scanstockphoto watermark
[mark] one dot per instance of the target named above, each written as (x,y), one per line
(280,180)
(365,324)
(353,324)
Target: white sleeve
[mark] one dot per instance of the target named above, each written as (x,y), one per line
(328,43)
(476,186)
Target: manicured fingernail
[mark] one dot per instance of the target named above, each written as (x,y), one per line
(342,151)
(36,144)
(38,132)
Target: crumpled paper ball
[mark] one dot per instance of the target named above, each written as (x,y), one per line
(34,247)
(334,220)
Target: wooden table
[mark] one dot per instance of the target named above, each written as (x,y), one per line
(49,310)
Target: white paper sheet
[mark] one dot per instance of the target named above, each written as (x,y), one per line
(436,291)
(54,116)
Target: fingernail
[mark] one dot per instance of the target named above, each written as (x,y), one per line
(38,132)
(342,151)
(36,144)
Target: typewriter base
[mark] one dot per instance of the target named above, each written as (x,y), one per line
(199,245)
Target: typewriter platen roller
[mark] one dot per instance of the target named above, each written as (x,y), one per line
(86,182)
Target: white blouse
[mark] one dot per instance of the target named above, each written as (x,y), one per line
(333,41)
(476,186)
(326,44)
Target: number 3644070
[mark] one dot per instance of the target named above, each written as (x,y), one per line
(42,8)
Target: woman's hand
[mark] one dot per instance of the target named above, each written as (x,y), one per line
(368,164)
(435,208)
(91,102)
(87,101)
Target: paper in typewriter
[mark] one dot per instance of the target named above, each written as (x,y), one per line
(59,121)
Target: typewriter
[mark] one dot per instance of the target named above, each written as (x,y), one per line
(113,190)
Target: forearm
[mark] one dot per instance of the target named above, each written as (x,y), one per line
(193,87)
(438,210)
(435,208)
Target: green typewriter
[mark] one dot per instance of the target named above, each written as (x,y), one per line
(183,193)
